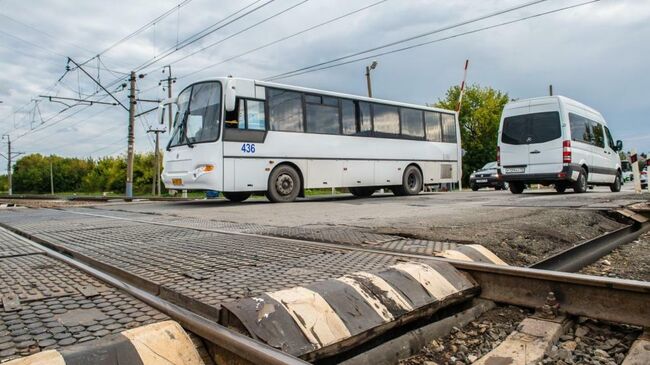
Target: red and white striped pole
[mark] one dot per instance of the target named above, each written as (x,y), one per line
(462,87)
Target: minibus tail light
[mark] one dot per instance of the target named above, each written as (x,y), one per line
(566,152)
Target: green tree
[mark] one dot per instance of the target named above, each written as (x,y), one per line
(32,173)
(479,123)
(108,174)
(4,183)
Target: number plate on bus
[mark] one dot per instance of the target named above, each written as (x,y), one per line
(514,170)
(177,182)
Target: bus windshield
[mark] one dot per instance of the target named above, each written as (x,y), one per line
(199,115)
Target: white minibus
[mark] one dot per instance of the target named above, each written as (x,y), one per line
(554,140)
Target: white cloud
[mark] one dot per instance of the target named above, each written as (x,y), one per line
(597,54)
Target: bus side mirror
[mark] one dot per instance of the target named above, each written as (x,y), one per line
(619,145)
(230,97)
(162,108)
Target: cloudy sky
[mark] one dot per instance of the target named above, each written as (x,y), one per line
(598,53)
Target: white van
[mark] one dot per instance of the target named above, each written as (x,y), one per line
(559,141)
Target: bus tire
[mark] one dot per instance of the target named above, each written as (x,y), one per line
(362,192)
(560,187)
(284,184)
(411,182)
(237,197)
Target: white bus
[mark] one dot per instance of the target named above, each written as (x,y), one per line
(241,136)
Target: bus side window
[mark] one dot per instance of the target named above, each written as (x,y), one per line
(348,117)
(448,128)
(365,123)
(255,115)
(434,129)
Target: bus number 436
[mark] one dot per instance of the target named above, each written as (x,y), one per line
(248,147)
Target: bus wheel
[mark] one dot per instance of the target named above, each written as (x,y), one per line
(284,184)
(411,182)
(237,196)
(362,192)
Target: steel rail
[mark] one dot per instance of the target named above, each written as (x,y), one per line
(586,253)
(604,298)
(240,345)
(609,299)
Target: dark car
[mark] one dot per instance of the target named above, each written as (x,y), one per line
(487,177)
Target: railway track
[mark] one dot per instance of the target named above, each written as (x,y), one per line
(557,297)
(585,253)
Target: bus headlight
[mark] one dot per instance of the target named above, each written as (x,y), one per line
(202,169)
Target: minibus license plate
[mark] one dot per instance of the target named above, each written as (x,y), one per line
(177,182)
(514,170)
(481,181)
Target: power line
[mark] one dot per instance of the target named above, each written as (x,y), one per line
(143,28)
(408,39)
(437,40)
(200,35)
(283,38)
(45,33)
(240,32)
(32,44)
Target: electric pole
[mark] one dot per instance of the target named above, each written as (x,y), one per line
(130,138)
(372,66)
(170,80)
(51,179)
(9,157)
(550,90)
(9,164)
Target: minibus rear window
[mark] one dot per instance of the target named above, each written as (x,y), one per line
(531,128)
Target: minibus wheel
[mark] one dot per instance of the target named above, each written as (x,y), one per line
(560,188)
(237,197)
(517,187)
(284,184)
(580,186)
(616,186)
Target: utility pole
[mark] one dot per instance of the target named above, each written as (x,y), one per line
(9,164)
(9,157)
(550,90)
(170,80)
(130,138)
(370,67)
(51,180)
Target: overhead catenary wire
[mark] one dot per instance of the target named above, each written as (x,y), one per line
(200,35)
(46,33)
(32,44)
(282,39)
(129,36)
(537,15)
(283,11)
(206,31)
(412,38)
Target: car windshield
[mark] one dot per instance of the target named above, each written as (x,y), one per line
(198,116)
(490,165)
(531,128)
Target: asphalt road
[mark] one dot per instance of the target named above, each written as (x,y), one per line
(387,210)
